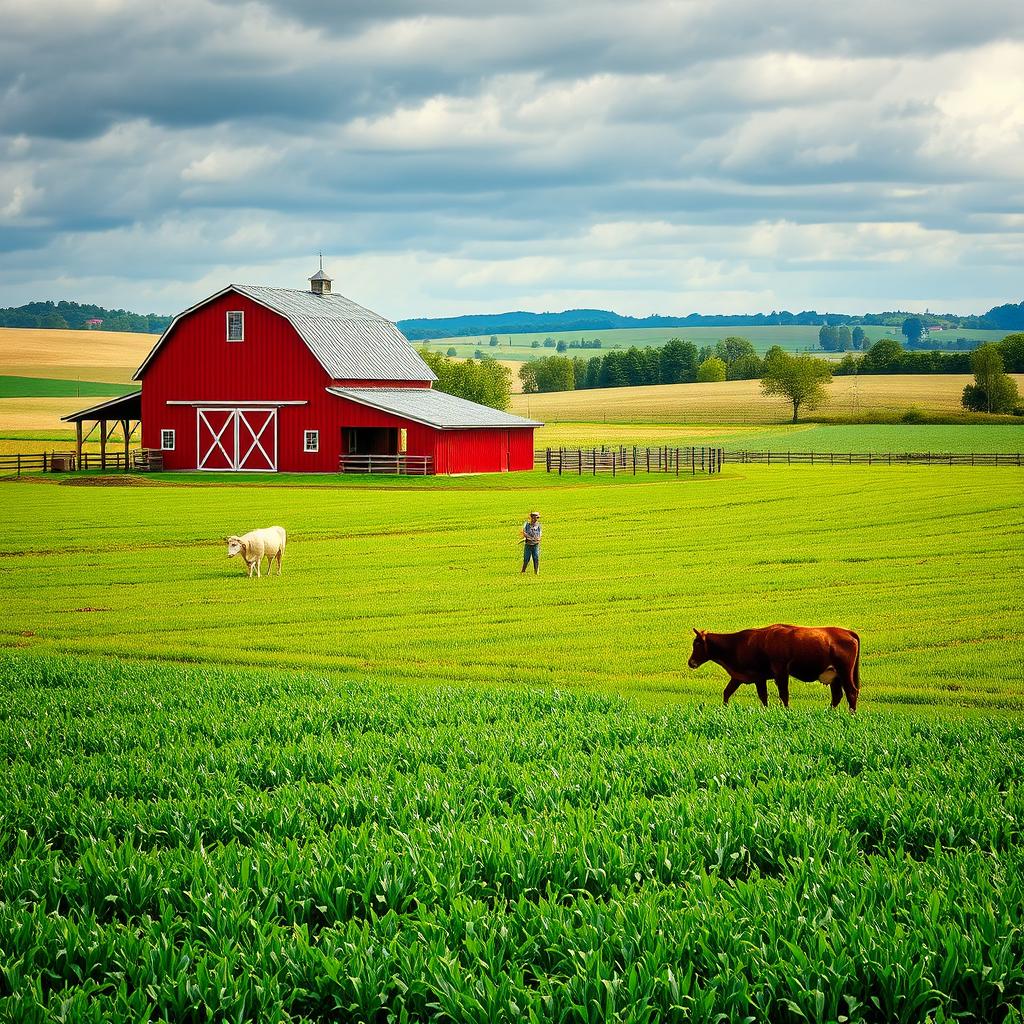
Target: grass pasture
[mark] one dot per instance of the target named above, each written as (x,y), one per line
(803,437)
(56,387)
(402,782)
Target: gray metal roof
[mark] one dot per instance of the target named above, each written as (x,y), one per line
(320,275)
(349,341)
(433,408)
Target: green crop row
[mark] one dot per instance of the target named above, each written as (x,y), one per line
(192,844)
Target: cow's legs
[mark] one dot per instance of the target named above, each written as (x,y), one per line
(782,682)
(837,692)
(762,690)
(730,688)
(847,685)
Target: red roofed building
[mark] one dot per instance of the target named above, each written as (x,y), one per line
(265,379)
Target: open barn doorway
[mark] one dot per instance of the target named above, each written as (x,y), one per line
(370,440)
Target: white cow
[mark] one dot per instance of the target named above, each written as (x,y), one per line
(256,545)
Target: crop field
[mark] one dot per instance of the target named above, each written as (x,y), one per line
(792,339)
(403,782)
(741,401)
(198,843)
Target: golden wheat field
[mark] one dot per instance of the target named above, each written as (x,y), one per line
(68,355)
(741,401)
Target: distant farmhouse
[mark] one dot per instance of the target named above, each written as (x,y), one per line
(256,379)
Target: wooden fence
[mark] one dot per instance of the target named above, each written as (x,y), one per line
(139,459)
(402,465)
(878,458)
(630,460)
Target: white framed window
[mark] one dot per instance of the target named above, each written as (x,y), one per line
(311,440)
(167,440)
(236,325)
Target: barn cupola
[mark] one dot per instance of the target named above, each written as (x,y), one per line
(320,283)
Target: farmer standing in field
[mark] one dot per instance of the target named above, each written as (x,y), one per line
(531,542)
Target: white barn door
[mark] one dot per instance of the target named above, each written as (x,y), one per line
(236,440)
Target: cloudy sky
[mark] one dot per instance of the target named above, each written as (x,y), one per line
(463,156)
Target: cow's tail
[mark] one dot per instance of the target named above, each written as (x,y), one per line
(856,662)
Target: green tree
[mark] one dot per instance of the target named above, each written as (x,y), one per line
(452,352)
(828,337)
(884,356)
(993,390)
(528,378)
(844,338)
(494,341)
(800,379)
(711,371)
(732,348)
(912,330)
(1012,351)
(562,345)
(747,367)
(678,362)
(858,337)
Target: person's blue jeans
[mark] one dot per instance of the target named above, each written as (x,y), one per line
(531,551)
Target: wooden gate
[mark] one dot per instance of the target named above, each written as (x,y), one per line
(236,440)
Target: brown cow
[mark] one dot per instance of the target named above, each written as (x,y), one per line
(828,653)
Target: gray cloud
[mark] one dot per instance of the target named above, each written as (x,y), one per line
(684,154)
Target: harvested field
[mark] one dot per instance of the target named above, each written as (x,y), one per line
(90,355)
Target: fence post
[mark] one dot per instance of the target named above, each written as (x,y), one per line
(19,464)
(634,460)
(548,459)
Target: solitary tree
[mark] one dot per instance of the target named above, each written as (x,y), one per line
(857,336)
(912,330)
(800,379)
(993,389)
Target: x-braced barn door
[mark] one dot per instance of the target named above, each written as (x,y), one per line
(237,440)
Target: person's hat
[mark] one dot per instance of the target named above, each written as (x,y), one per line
(535,514)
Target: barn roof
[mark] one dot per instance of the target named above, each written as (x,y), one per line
(124,407)
(432,408)
(349,341)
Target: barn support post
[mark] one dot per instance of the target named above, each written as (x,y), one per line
(124,427)
(78,438)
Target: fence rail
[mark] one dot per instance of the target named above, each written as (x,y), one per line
(139,459)
(402,465)
(877,458)
(631,460)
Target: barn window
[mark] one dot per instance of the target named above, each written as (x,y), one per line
(167,440)
(311,441)
(236,325)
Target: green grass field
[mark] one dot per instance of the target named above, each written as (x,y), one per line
(806,437)
(50,387)
(792,339)
(403,782)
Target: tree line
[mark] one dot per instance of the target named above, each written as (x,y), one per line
(486,381)
(675,362)
(73,316)
(887,355)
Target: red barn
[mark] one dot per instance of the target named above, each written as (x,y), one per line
(266,379)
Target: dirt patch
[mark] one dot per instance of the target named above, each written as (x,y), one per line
(121,480)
